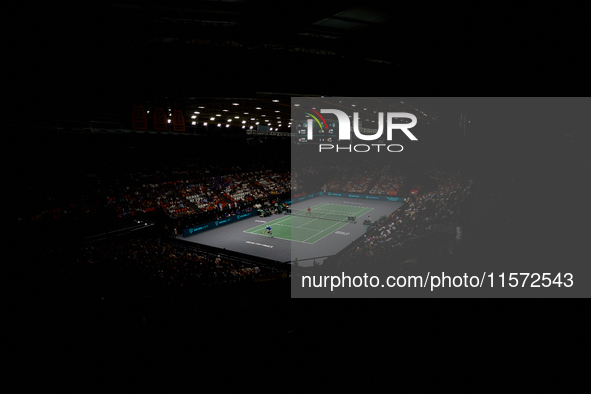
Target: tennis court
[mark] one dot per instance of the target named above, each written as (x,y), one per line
(299,226)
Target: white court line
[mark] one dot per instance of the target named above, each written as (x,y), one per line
(265,225)
(314,206)
(331,232)
(370,209)
(304,241)
(308,222)
(328,212)
(324,210)
(303,228)
(342,225)
(278,221)
(334,210)
(331,211)
(285,239)
(327,229)
(251,231)
(313,221)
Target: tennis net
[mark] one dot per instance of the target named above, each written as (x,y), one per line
(318,214)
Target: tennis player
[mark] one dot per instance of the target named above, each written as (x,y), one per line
(309,210)
(268,230)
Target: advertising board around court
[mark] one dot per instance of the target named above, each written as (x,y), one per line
(216,223)
(231,219)
(348,195)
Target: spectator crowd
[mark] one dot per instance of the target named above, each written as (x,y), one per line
(419,216)
(158,264)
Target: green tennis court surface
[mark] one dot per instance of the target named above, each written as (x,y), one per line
(323,220)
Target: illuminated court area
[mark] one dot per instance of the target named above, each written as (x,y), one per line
(310,228)
(325,232)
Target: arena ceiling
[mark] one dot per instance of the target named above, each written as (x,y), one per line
(204,43)
(101,57)
(274,110)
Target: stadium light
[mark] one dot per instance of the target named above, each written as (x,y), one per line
(236,117)
(244,121)
(275,101)
(204,123)
(258,108)
(193,123)
(235,104)
(193,117)
(219,125)
(169,120)
(211,118)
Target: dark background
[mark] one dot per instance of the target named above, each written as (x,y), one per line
(90,60)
